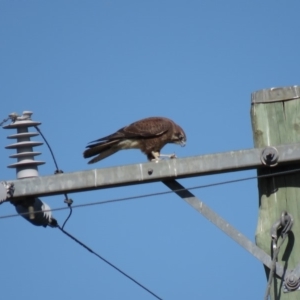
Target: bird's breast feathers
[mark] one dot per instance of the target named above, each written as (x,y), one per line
(129,144)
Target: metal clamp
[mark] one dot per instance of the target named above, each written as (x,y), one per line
(286,223)
(292,278)
(35,211)
(6,191)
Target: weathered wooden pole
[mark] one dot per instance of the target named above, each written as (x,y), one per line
(275,115)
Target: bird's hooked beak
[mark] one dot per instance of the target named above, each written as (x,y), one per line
(182,143)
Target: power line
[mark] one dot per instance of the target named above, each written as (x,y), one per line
(106,261)
(164,193)
(49,147)
(69,202)
(5,120)
(58,171)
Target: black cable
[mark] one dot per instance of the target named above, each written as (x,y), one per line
(5,120)
(69,202)
(106,261)
(163,193)
(40,132)
(58,171)
(67,219)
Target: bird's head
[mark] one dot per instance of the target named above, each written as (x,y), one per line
(179,136)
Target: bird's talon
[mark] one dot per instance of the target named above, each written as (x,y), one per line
(156,160)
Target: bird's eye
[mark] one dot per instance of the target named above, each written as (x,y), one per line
(180,137)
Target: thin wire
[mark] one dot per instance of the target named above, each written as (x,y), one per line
(4,121)
(106,261)
(58,171)
(67,219)
(162,193)
(76,240)
(40,132)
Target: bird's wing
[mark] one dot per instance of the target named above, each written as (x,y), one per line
(145,128)
(149,127)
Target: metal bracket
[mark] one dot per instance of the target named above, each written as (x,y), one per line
(224,226)
(6,191)
(286,223)
(291,278)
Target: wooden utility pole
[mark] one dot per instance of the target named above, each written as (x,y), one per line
(275,115)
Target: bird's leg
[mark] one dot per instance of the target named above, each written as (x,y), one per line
(168,155)
(155,155)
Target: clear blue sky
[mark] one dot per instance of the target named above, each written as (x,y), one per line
(88,68)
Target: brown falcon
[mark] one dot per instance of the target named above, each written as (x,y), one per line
(149,135)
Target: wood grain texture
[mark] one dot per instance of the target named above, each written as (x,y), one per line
(276,123)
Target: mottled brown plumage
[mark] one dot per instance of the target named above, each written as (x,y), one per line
(149,135)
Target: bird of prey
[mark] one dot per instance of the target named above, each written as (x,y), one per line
(149,135)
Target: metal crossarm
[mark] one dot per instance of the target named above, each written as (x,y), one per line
(213,217)
(151,172)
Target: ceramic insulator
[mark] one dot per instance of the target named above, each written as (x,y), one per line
(26,166)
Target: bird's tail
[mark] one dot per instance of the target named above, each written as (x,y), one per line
(103,149)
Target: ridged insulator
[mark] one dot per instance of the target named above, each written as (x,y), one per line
(42,213)
(26,165)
